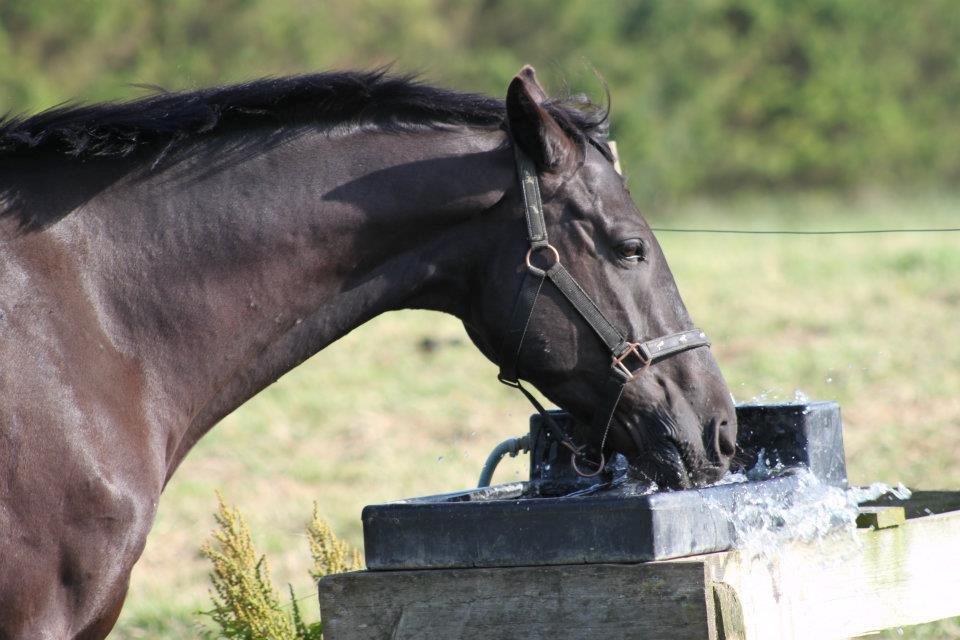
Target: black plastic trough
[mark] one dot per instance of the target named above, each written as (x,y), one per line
(499,526)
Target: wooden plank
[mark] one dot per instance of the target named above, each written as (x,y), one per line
(728,613)
(847,585)
(880,517)
(648,602)
(923,503)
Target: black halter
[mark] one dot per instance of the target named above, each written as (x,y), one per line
(629,359)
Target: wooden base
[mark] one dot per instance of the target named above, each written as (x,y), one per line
(846,585)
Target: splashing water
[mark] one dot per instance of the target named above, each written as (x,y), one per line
(780,505)
(800,508)
(624,484)
(803,509)
(773,396)
(763,469)
(877,489)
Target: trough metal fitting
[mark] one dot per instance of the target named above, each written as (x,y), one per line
(511,446)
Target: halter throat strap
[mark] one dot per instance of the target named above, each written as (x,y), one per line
(628,359)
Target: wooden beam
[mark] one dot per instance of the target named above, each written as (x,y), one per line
(880,517)
(639,601)
(922,503)
(852,583)
(847,585)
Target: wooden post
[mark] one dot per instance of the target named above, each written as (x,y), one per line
(849,584)
(881,517)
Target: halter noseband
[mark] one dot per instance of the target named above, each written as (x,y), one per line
(623,352)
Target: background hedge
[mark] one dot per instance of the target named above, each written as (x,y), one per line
(708,97)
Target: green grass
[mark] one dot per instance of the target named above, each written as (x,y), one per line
(870,321)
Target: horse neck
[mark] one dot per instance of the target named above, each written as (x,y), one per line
(254,266)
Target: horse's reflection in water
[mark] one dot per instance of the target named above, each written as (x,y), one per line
(164,260)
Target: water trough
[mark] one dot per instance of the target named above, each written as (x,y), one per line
(556,556)
(557,517)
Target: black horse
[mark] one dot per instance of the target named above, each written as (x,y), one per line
(163,260)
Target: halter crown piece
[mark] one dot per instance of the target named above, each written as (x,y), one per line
(628,359)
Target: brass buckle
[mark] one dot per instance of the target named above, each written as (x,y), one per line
(633,348)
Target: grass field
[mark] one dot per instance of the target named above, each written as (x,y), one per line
(870,321)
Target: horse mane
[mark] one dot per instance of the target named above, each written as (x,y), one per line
(165,119)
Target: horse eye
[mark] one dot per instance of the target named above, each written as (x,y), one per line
(631,250)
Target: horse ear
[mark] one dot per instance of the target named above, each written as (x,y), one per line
(532,126)
(529,76)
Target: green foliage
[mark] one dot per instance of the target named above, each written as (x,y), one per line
(330,555)
(245,602)
(246,605)
(303,630)
(709,96)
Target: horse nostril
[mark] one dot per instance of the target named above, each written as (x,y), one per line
(726,440)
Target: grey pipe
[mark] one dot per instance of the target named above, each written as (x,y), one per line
(511,446)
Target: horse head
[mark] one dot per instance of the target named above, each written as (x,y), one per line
(672,417)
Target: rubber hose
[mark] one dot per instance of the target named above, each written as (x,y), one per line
(511,446)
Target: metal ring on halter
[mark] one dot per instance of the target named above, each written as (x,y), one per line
(537,271)
(573,462)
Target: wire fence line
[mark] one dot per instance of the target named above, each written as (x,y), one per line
(785,232)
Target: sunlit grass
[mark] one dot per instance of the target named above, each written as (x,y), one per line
(870,321)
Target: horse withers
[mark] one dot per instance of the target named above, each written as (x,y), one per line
(163,260)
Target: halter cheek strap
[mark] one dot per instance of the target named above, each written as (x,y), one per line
(628,359)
